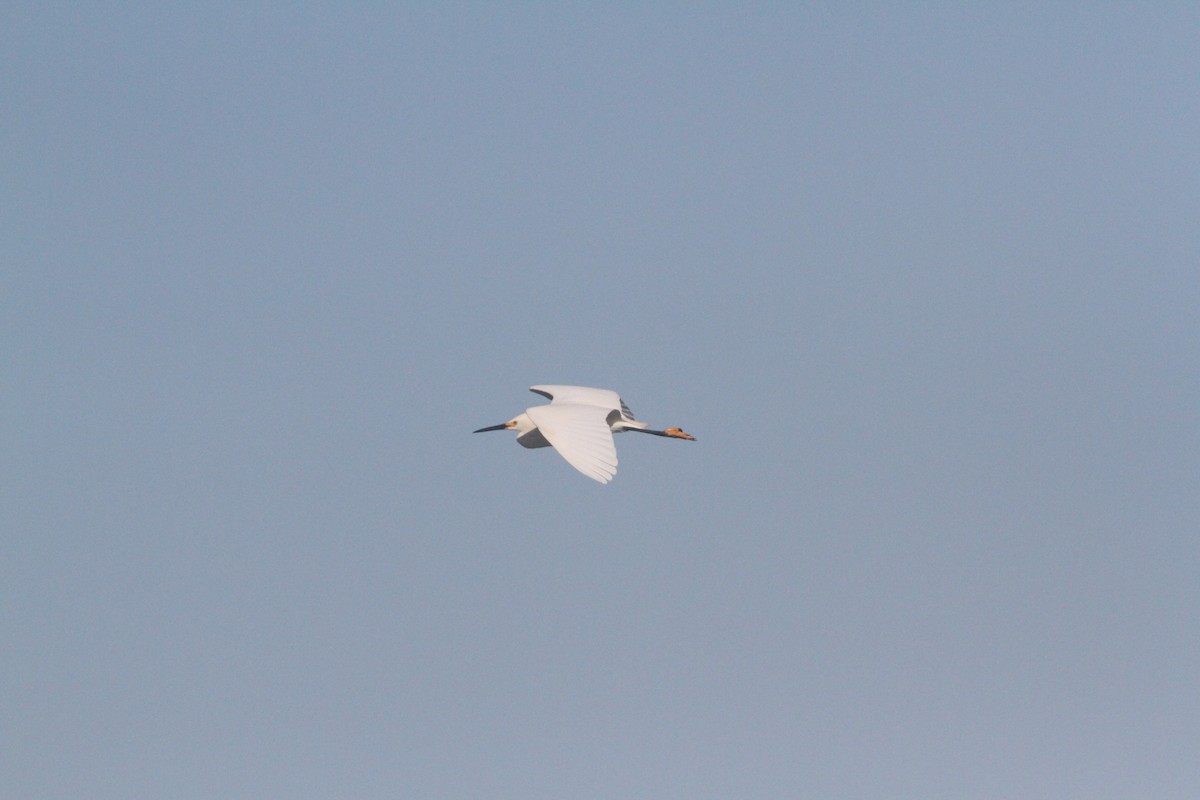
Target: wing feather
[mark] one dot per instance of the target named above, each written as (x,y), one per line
(579,395)
(581,435)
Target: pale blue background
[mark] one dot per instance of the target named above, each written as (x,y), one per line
(922,279)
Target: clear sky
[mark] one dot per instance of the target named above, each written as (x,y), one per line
(922,279)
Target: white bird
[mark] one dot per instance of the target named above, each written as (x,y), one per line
(579,423)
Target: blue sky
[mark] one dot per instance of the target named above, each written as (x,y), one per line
(921,279)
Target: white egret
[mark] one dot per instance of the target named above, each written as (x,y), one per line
(579,423)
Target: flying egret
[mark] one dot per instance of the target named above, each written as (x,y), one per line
(579,423)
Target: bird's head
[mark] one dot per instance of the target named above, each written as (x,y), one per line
(503,426)
(520,424)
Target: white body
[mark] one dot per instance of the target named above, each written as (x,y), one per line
(579,423)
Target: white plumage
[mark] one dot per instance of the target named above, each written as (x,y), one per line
(579,423)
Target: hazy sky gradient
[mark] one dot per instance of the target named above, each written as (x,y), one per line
(923,281)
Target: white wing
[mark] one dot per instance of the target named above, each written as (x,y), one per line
(582,395)
(580,435)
